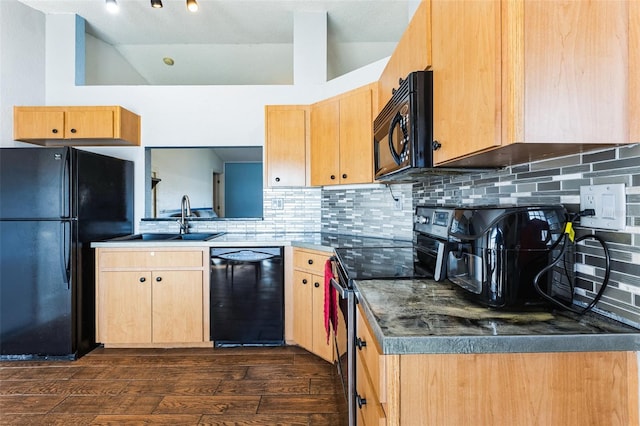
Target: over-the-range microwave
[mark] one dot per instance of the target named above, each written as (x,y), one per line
(403,131)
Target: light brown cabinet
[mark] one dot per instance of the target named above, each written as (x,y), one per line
(496,388)
(516,81)
(370,379)
(90,125)
(308,303)
(286,140)
(412,53)
(634,71)
(152,297)
(341,138)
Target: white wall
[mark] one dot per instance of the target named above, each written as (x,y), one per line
(22,63)
(106,65)
(172,116)
(185,172)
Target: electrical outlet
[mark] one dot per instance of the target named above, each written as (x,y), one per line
(277,204)
(608,201)
(397,203)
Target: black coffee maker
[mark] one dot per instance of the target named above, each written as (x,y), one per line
(495,253)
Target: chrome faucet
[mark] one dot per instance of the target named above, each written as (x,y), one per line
(185,212)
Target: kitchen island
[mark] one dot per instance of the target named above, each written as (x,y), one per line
(433,357)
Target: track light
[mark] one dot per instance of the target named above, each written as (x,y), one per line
(112,6)
(156,4)
(192,5)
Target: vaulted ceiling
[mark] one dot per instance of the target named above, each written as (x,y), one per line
(235,41)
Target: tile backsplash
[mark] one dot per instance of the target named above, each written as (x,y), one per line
(370,211)
(292,210)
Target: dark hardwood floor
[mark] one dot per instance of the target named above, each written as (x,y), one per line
(222,386)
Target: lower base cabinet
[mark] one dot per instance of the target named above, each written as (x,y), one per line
(308,304)
(559,388)
(152,298)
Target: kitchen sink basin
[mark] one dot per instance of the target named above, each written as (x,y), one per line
(195,236)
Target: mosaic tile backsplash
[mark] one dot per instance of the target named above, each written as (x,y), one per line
(292,210)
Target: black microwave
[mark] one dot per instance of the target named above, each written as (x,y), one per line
(403,131)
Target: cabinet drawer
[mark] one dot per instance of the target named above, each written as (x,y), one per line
(369,354)
(368,408)
(310,261)
(150,259)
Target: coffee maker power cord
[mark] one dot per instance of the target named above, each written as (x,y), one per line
(605,280)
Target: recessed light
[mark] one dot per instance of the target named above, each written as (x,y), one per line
(192,5)
(112,6)
(168,61)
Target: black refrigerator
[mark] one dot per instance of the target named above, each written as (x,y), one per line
(53,203)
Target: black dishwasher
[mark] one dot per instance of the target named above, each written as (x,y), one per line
(247,296)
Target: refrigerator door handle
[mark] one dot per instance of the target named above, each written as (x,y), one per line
(65,176)
(65,252)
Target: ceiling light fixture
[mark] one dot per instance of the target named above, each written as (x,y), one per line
(156,4)
(112,6)
(192,5)
(168,61)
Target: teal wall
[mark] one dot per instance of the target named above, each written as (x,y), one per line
(243,190)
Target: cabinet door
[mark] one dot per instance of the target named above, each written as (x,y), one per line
(303,309)
(124,307)
(466,57)
(89,124)
(286,135)
(575,69)
(634,71)
(35,123)
(356,140)
(321,347)
(412,53)
(325,143)
(177,307)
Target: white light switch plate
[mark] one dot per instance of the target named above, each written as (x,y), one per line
(609,203)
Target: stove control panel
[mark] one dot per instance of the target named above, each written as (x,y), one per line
(433,221)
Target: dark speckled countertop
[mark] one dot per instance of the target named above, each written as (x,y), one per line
(424,316)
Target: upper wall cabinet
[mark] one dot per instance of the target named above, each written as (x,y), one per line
(634,71)
(341,138)
(516,81)
(412,53)
(286,139)
(76,125)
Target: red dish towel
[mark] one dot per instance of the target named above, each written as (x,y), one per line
(330,301)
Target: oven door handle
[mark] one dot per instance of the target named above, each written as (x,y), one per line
(342,291)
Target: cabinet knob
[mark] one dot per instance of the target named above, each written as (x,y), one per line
(277,179)
(73,130)
(310,261)
(344,176)
(142,279)
(360,343)
(333,177)
(304,281)
(436,145)
(158,279)
(54,131)
(361,401)
(316,285)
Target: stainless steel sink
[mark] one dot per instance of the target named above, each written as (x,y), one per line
(149,236)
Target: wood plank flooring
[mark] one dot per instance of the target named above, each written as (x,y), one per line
(222,386)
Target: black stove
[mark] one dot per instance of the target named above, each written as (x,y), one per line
(387,260)
(379,263)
